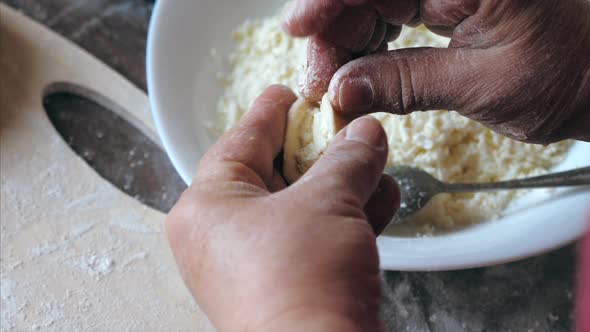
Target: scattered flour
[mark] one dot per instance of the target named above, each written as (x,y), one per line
(97,266)
(9,307)
(134,258)
(74,255)
(133,222)
(552,317)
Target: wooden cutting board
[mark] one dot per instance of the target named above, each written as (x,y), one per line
(76,254)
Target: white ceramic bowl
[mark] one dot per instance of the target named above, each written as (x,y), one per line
(184,92)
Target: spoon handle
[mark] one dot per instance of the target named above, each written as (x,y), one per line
(576,177)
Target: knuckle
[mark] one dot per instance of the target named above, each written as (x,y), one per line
(448,13)
(392,77)
(342,204)
(401,80)
(233,171)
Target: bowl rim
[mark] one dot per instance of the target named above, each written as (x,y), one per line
(153,86)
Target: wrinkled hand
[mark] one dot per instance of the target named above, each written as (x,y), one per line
(520,67)
(258,256)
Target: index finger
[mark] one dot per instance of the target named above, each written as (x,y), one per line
(303,18)
(246,152)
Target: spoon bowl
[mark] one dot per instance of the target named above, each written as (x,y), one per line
(417,187)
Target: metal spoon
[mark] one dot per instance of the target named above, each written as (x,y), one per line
(418,187)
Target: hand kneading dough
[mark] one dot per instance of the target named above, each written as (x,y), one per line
(445,144)
(310,130)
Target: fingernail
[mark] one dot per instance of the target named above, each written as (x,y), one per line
(356,95)
(367,130)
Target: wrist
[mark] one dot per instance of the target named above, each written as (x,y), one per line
(320,321)
(305,311)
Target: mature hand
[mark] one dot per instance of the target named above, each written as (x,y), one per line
(258,256)
(520,67)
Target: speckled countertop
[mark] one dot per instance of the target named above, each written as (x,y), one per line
(531,295)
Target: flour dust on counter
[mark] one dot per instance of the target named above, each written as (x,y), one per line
(76,253)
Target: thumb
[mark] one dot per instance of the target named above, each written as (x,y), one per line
(351,168)
(407,80)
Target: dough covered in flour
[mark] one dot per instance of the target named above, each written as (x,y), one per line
(310,129)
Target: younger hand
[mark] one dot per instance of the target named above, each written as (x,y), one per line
(258,256)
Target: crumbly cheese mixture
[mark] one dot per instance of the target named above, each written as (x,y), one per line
(445,144)
(263,55)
